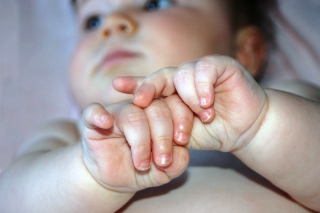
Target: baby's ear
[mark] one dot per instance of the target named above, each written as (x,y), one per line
(251,49)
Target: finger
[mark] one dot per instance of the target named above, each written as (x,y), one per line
(184,81)
(95,116)
(179,163)
(182,118)
(133,122)
(157,84)
(210,72)
(127,84)
(205,78)
(161,128)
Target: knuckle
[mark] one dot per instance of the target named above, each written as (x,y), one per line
(184,68)
(184,120)
(193,101)
(166,70)
(135,118)
(159,112)
(142,147)
(90,110)
(162,141)
(206,63)
(203,85)
(183,75)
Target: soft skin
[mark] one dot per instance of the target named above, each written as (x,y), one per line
(252,123)
(98,175)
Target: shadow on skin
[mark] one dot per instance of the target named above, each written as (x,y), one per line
(201,159)
(212,158)
(158,191)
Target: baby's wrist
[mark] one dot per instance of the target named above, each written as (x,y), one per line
(90,188)
(250,141)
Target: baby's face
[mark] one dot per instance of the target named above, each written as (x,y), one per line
(138,37)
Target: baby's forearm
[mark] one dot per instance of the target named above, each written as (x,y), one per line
(286,149)
(55,181)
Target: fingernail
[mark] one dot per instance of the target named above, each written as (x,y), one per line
(164,160)
(203,101)
(103,118)
(205,116)
(182,137)
(145,165)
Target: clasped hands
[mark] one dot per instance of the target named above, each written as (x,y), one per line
(212,103)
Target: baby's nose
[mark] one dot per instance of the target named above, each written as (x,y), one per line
(119,24)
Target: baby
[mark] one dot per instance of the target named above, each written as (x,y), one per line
(125,149)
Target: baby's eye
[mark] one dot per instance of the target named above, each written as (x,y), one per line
(152,5)
(93,22)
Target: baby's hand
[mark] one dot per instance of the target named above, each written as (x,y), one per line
(118,141)
(218,89)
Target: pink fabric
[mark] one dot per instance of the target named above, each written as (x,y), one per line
(37,38)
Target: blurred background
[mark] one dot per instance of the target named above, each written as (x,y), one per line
(37,38)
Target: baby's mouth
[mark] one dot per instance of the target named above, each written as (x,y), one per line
(117,57)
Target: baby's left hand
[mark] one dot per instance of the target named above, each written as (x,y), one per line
(118,141)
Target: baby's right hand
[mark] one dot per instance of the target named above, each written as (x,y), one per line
(228,101)
(118,140)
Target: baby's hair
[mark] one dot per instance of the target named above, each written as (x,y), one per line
(252,13)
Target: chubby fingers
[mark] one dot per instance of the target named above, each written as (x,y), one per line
(146,89)
(161,129)
(196,81)
(143,129)
(96,117)
(182,117)
(157,84)
(180,162)
(133,123)
(185,82)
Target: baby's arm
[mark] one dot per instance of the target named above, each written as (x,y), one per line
(99,174)
(286,149)
(275,133)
